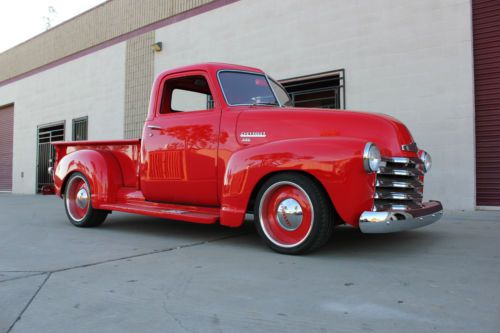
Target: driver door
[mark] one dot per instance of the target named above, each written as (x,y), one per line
(180,143)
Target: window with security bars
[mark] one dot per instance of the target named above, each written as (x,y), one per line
(80,129)
(46,135)
(322,90)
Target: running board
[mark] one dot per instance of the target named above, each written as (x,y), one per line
(204,215)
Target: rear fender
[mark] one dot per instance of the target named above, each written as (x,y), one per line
(337,163)
(100,168)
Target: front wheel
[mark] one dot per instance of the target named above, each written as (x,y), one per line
(78,203)
(293,214)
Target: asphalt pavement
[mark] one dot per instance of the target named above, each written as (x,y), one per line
(141,274)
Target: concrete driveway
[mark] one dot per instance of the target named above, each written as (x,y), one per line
(139,274)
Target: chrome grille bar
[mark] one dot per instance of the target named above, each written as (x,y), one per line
(395,195)
(400,171)
(399,184)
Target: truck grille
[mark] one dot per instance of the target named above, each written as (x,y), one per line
(399,184)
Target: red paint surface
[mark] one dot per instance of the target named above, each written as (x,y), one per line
(179,159)
(194,167)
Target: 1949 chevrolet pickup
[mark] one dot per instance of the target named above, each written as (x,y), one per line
(221,141)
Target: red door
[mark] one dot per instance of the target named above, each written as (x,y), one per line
(180,144)
(6,147)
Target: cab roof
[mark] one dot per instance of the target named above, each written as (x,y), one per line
(211,67)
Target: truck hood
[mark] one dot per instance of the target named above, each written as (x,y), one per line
(257,125)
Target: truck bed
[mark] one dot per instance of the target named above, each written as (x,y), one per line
(129,198)
(126,152)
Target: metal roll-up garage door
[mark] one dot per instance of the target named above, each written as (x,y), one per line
(486,39)
(6,147)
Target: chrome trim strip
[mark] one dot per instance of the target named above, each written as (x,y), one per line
(174,211)
(402,160)
(253,134)
(399,172)
(154,127)
(371,222)
(391,195)
(395,205)
(390,206)
(399,183)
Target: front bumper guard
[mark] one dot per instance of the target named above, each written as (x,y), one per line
(393,221)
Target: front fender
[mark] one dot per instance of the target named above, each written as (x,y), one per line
(337,163)
(100,168)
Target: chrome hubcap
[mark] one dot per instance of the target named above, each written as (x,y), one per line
(82,198)
(289,214)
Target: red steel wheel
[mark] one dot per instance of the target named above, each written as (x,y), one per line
(78,203)
(293,214)
(77,198)
(286,214)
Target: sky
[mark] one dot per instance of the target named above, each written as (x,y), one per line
(22,19)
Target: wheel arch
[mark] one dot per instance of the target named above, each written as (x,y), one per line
(260,183)
(334,163)
(65,181)
(100,168)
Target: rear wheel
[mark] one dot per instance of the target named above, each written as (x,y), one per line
(78,203)
(293,214)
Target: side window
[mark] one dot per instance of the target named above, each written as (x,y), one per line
(186,100)
(80,129)
(186,94)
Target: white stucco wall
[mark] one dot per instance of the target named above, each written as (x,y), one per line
(93,86)
(409,59)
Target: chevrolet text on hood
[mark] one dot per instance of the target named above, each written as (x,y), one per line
(221,141)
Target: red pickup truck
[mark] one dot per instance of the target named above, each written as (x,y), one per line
(221,141)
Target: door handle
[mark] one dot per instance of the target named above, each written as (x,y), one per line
(154,127)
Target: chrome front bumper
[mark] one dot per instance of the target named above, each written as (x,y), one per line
(400,220)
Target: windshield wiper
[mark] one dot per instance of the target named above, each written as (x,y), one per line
(265,103)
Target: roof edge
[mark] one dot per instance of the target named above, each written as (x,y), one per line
(118,39)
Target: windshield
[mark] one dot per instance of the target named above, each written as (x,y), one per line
(242,88)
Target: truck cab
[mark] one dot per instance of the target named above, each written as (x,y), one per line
(220,141)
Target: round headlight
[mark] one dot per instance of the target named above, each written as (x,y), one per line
(371,157)
(426,159)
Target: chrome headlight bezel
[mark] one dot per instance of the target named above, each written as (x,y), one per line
(371,158)
(426,159)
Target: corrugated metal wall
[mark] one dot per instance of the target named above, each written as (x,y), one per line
(486,25)
(6,147)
